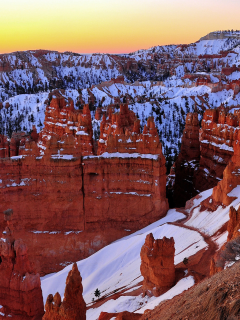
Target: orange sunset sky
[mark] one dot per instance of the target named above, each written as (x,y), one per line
(113,26)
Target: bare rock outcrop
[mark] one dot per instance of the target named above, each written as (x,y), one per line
(187,162)
(20,287)
(120,132)
(72,202)
(73,306)
(157,265)
(218,134)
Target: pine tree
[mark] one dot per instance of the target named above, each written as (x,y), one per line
(97,293)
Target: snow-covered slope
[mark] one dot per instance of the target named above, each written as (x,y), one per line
(210,222)
(116,268)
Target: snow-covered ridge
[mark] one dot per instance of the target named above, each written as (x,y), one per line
(35,71)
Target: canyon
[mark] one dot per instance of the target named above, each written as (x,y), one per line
(94,149)
(71,202)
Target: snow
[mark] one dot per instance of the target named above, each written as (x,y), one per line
(182,285)
(132,193)
(63,156)
(234,76)
(118,264)
(81,133)
(124,155)
(17,157)
(134,303)
(221,239)
(201,197)
(210,222)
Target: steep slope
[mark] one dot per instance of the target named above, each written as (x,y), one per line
(116,268)
(214,299)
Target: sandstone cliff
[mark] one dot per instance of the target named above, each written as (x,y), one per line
(20,287)
(69,203)
(73,307)
(217,136)
(187,162)
(157,265)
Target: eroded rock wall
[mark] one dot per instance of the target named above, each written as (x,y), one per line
(187,162)
(20,286)
(69,203)
(218,134)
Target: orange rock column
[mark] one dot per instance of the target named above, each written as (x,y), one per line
(157,265)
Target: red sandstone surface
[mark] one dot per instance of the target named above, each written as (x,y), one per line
(69,203)
(157,265)
(187,162)
(73,306)
(20,287)
(218,134)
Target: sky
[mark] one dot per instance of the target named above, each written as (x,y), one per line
(110,26)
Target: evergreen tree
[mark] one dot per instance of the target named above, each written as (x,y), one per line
(97,293)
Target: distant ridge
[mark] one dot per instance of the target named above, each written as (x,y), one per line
(215,35)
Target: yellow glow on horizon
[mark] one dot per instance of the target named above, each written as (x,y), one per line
(110,26)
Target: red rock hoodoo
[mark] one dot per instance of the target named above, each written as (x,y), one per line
(233,223)
(157,265)
(73,306)
(187,162)
(217,137)
(20,287)
(69,203)
(231,179)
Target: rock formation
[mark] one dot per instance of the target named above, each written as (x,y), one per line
(233,223)
(231,179)
(62,119)
(217,137)
(120,132)
(73,306)
(187,162)
(20,287)
(69,203)
(157,265)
